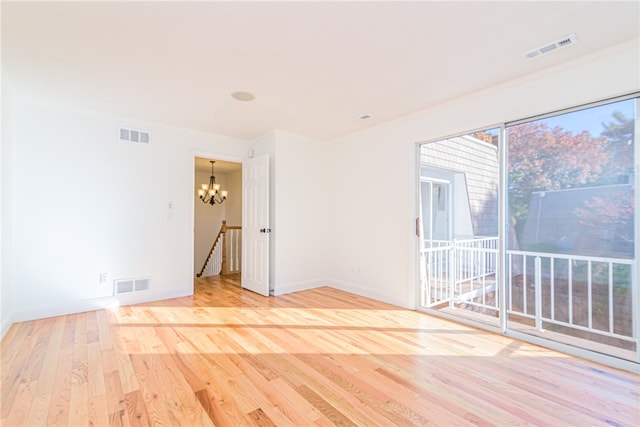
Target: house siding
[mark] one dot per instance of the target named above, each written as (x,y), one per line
(478,161)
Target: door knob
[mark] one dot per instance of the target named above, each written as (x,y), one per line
(265,230)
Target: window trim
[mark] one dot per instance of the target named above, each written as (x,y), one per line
(572,109)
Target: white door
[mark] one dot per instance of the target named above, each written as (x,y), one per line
(255,225)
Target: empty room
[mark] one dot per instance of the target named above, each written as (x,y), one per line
(317,213)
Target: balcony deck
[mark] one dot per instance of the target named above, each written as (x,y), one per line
(321,357)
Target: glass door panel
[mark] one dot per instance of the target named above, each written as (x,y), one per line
(459,184)
(571,255)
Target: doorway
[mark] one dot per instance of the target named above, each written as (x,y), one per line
(213,218)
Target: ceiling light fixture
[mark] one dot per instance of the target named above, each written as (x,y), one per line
(212,194)
(243,96)
(362,117)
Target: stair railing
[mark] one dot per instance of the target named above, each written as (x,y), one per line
(225,253)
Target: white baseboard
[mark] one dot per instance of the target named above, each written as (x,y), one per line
(148,296)
(281,289)
(61,310)
(97,304)
(7,321)
(365,292)
(287,288)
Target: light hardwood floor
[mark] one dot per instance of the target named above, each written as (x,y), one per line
(316,358)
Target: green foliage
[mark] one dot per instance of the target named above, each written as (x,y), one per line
(620,130)
(619,211)
(543,159)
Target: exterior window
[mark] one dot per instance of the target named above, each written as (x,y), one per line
(570,255)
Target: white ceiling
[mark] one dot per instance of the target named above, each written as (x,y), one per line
(313,66)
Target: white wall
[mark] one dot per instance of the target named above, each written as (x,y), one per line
(6,216)
(85,203)
(372,226)
(303,201)
(233,205)
(372,241)
(5,309)
(299,210)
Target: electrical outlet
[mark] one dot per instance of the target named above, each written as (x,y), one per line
(103,278)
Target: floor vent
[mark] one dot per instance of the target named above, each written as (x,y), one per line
(569,40)
(125,286)
(134,135)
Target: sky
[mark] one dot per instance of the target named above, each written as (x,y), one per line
(591,119)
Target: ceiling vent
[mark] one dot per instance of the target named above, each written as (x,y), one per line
(566,41)
(134,135)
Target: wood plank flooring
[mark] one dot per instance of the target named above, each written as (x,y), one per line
(228,357)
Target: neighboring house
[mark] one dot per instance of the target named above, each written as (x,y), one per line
(471,169)
(555,223)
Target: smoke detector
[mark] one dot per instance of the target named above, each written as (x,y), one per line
(243,96)
(361,117)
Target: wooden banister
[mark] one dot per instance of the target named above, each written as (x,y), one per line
(222,235)
(223,230)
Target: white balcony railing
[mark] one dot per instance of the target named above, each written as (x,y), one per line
(592,296)
(460,271)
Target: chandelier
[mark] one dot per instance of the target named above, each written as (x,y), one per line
(211,193)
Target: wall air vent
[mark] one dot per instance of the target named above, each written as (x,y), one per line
(125,286)
(134,135)
(553,46)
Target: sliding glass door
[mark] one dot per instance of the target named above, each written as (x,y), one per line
(567,270)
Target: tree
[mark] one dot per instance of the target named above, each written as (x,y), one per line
(620,136)
(489,138)
(617,211)
(543,159)
(619,131)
